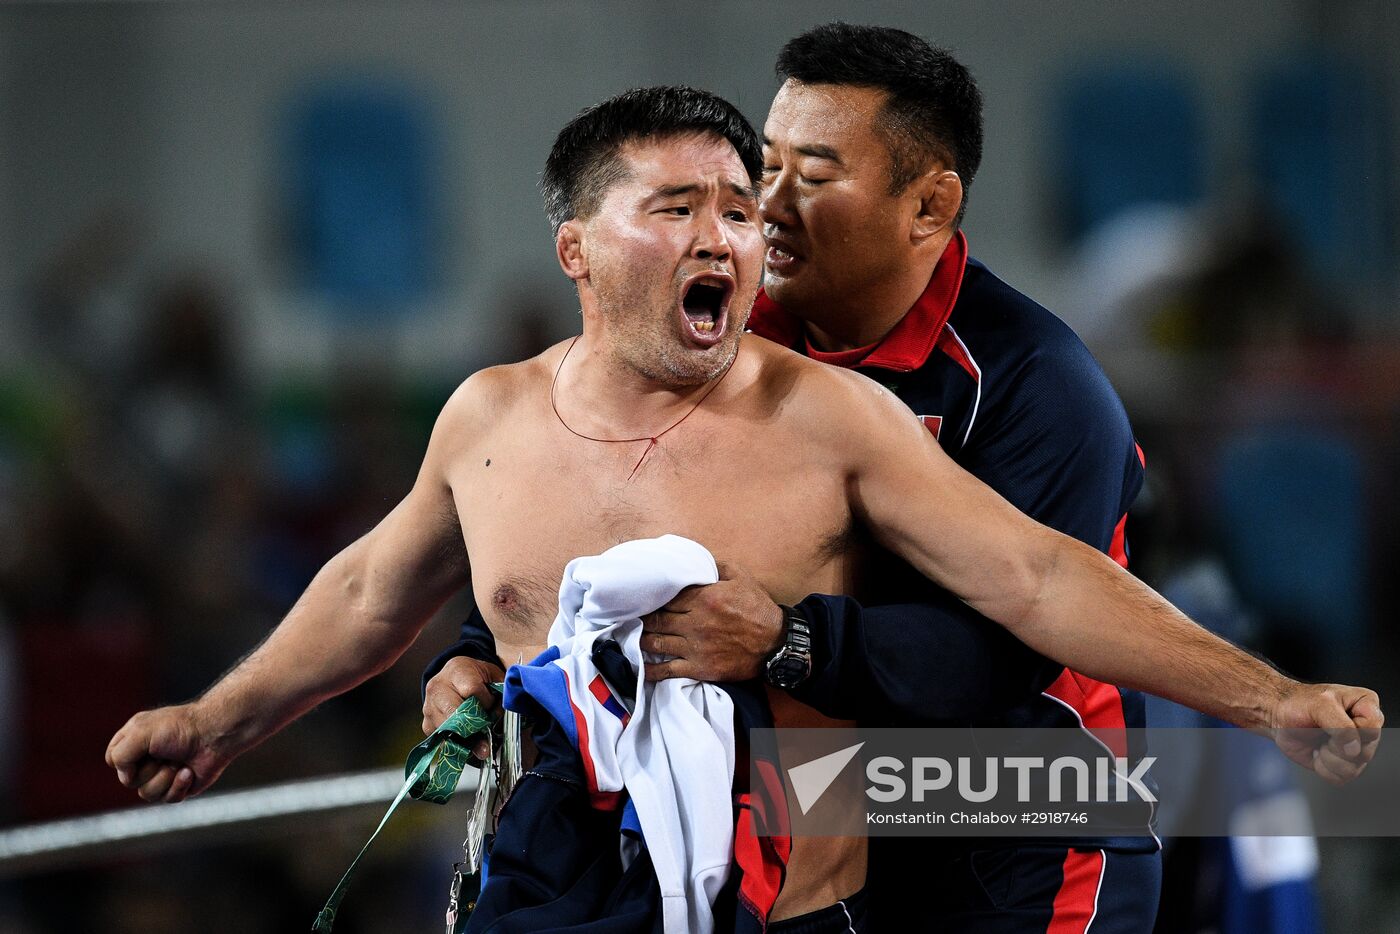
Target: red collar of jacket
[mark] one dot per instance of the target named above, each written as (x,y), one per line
(910,342)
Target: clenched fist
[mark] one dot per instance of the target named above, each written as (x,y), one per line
(459,679)
(1332,729)
(166,754)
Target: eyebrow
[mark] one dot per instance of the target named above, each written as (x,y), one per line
(815,150)
(675,191)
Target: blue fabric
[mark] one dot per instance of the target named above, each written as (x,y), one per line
(544,685)
(631,824)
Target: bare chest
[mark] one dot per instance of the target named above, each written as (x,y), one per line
(752,498)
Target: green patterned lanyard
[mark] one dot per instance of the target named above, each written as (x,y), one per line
(431,774)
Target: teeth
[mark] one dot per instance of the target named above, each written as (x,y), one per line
(704,327)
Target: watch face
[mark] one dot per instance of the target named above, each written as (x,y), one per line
(787,671)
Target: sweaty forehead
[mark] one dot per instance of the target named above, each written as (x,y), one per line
(832,115)
(690,160)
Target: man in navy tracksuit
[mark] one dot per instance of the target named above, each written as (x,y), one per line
(1015,398)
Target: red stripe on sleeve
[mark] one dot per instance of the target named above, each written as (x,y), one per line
(1078,898)
(1118,548)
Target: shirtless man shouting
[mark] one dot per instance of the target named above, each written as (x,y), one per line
(662,417)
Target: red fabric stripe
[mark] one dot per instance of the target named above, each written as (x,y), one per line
(762,840)
(1099,706)
(1078,895)
(949,345)
(763,861)
(599,689)
(602,800)
(1118,548)
(934,423)
(606,800)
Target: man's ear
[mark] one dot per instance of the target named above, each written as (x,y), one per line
(568,246)
(940,194)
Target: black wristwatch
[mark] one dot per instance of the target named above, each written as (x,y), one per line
(792,663)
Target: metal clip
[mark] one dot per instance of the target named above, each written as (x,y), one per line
(511,769)
(480,818)
(453,892)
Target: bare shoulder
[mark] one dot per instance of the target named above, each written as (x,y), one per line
(489,397)
(826,400)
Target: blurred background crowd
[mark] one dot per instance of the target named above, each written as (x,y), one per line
(247,250)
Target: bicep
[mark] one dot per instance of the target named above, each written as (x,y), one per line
(945,522)
(415,554)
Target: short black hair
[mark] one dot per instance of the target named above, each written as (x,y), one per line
(584,160)
(934,109)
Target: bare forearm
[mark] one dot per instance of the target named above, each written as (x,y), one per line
(338,634)
(1098,619)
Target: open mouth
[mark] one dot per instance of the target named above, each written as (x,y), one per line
(705,306)
(782,257)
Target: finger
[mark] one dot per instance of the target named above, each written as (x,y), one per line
(155,788)
(482,749)
(444,705)
(487,698)
(1340,761)
(1369,719)
(1366,712)
(659,643)
(127,749)
(1324,766)
(1331,715)
(180,787)
(661,671)
(111,743)
(1346,746)
(432,715)
(471,684)
(148,770)
(665,621)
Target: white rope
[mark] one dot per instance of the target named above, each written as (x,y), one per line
(65,841)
